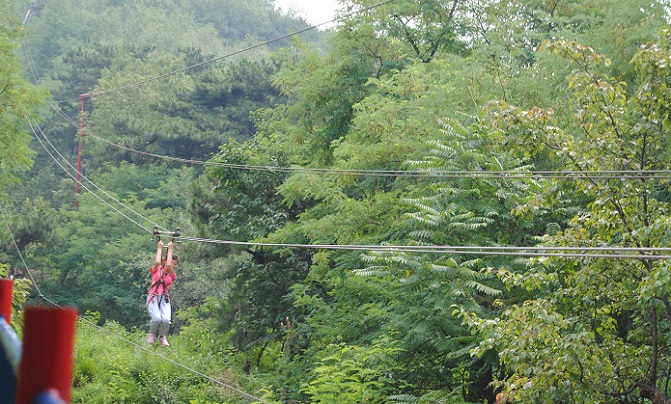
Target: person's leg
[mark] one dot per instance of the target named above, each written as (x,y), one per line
(155,317)
(166,312)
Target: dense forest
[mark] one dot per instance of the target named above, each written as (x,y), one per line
(433,201)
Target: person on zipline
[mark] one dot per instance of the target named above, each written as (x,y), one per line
(158,300)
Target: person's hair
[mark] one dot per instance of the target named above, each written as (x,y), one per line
(175,257)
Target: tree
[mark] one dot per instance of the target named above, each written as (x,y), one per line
(426,30)
(184,116)
(354,374)
(19,101)
(242,19)
(397,116)
(598,329)
(469,210)
(244,206)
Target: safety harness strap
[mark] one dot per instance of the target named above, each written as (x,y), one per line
(154,288)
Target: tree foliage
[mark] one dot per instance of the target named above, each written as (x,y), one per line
(19,100)
(604,321)
(430,124)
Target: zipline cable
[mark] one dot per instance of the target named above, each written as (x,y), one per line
(536,251)
(145,81)
(455,174)
(595,252)
(569,252)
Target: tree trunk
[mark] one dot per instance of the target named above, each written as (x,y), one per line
(653,394)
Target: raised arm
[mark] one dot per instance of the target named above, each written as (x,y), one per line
(159,256)
(169,266)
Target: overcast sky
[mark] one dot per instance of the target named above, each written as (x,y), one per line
(314,11)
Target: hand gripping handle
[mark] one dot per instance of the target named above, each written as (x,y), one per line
(177,233)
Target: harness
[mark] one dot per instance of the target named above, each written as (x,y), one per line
(154,287)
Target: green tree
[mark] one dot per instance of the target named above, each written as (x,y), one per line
(598,329)
(243,206)
(325,89)
(59,27)
(425,30)
(505,41)
(469,210)
(19,100)
(242,19)
(184,116)
(354,374)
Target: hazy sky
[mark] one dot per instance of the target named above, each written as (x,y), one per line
(314,11)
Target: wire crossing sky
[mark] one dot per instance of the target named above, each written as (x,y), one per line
(191,67)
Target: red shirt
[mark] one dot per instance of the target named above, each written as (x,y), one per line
(156,286)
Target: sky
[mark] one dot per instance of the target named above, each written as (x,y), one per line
(314,11)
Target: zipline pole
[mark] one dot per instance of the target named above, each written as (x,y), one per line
(6,289)
(83,97)
(46,364)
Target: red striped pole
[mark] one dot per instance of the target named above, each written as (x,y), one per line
(46,358)
(6,288)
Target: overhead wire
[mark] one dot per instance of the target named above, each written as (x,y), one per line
(89,181)
(18,250)
(426,173)
(524,251)
(194,66)
(566,252)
